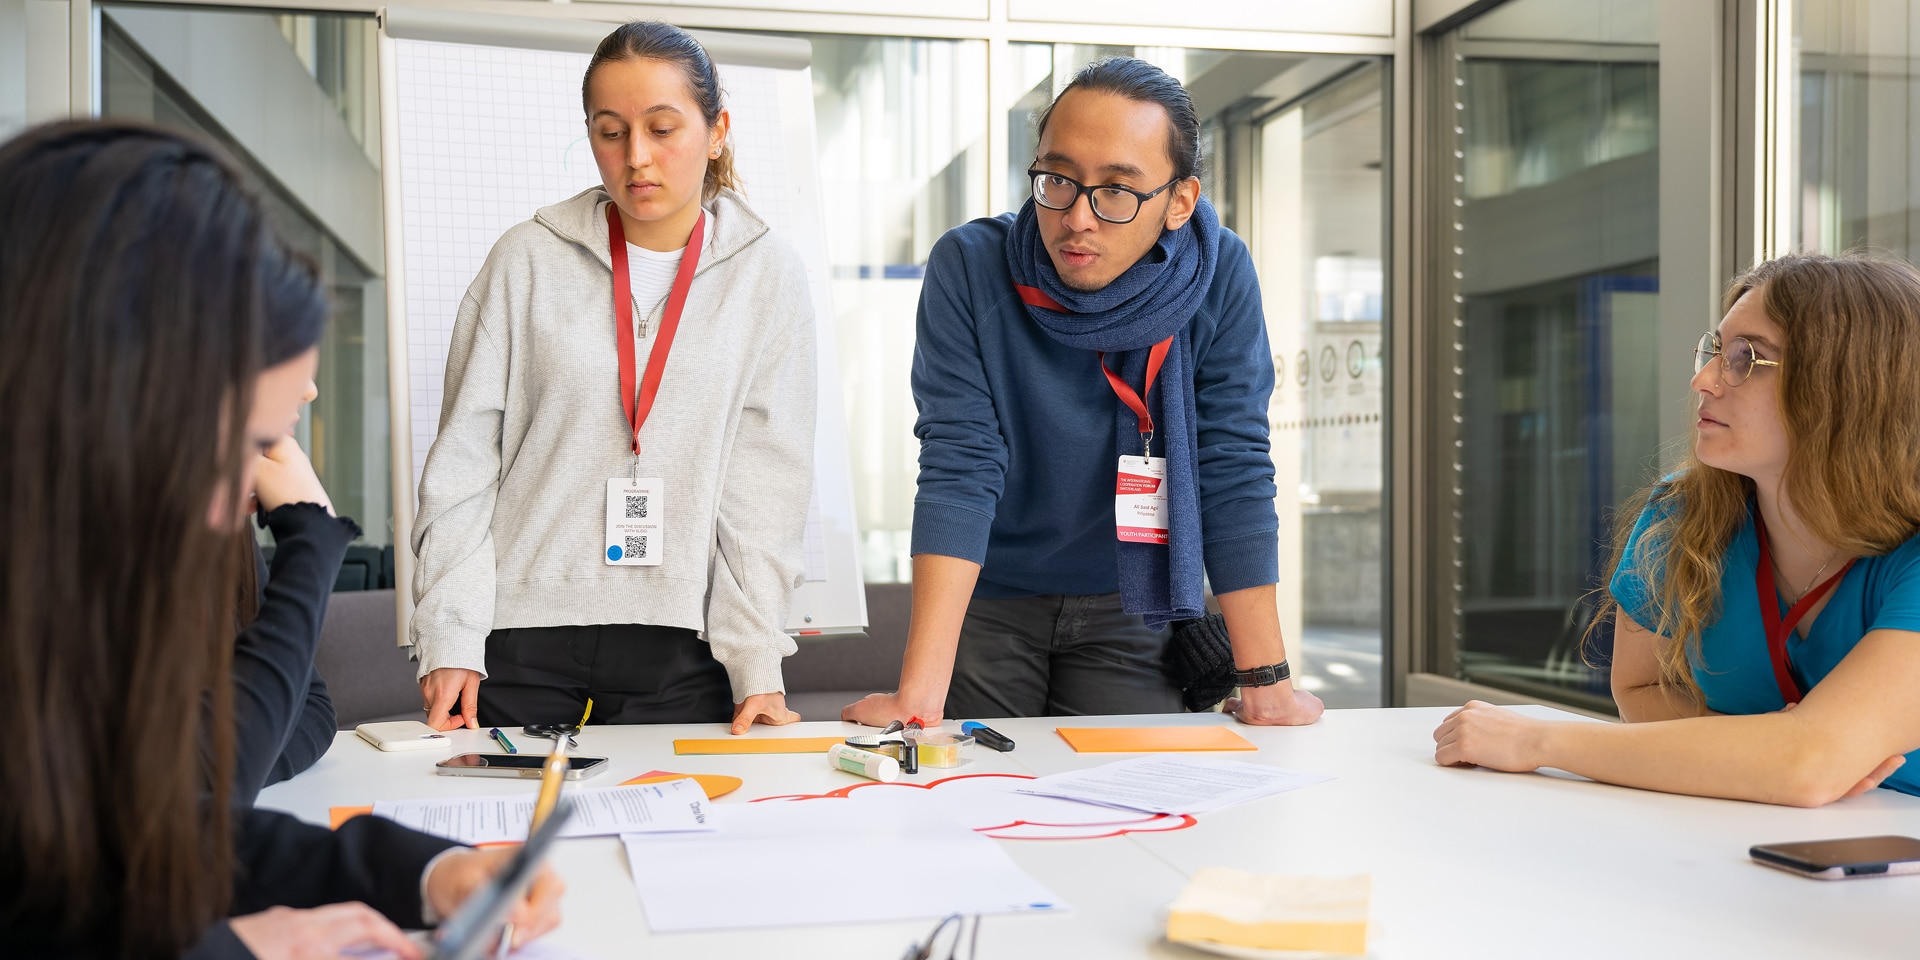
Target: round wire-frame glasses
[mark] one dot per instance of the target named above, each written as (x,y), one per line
(1737,357)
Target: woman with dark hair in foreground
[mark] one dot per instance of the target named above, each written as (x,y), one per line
(159,337)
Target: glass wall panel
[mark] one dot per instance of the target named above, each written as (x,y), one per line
(902,127)
(1548,261)
(1292,147)
(1857,173)
(346,429)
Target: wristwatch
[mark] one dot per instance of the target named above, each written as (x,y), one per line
(1265,676)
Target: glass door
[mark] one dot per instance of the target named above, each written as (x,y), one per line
(1544,173)
(1317,239)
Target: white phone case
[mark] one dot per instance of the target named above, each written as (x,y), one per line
(402,735)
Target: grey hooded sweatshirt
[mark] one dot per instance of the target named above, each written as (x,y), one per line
(513,498)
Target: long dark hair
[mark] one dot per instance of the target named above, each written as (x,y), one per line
(655,40)
(1142,82)
(142,292)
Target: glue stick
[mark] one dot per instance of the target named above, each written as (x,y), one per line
(870,765)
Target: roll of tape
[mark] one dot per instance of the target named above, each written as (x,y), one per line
(945,750)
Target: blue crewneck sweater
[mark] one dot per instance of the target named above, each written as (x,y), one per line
(1017,461)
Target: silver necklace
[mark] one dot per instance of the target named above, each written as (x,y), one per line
(1810,583)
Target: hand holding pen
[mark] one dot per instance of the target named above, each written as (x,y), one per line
(551,777)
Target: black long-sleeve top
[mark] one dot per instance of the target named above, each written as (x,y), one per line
(284,722)
(282,712)
(279,861)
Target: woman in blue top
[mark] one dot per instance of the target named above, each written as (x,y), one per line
(1782,563)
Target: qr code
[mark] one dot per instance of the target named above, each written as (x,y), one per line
(636,507)
(637,546)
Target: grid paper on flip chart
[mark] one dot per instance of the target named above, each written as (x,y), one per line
(487,136)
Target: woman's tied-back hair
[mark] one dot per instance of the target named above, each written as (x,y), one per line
(1850,400)
(654,40)
(1142,82)
(141,294)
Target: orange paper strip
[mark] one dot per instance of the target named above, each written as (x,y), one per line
(1152,739)
(340,815)
(777,745)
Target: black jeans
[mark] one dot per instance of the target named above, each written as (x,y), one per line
(635,674)
(1051,656)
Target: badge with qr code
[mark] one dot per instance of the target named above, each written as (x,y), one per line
(636,522)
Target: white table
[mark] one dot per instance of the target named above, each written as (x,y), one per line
(1465,863)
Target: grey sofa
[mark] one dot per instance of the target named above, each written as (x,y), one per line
(371,677)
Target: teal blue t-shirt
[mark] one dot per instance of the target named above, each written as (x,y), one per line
(1732,665)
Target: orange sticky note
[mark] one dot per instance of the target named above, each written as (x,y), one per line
(716,785)
(1152,739)
(739,745)
(340,815)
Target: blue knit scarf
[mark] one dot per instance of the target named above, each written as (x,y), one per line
(1154,299)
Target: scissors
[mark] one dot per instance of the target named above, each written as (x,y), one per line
(553,731)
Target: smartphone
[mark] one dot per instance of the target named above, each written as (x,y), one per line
(402,735)
(1841,859)
(524,766)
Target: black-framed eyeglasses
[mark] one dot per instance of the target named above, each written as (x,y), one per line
(930,949)
(1109,201)
(1737,357)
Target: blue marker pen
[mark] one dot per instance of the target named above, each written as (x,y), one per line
(986,736)
(505,744)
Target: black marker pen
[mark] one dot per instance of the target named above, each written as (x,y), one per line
(986,736)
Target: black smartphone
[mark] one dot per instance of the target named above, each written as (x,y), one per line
(1841,859)
(526,766)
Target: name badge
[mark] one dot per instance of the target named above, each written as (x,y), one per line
(636,522)
(1140,500)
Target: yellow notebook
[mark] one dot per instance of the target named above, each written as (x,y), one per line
(1267,912)
(1152,739)
(740,745)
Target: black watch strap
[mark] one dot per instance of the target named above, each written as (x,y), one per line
(1265,676)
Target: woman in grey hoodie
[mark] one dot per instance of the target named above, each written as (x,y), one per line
(614,505)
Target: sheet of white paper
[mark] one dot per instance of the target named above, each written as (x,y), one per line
(856,864)
(671,806)
(1164,784)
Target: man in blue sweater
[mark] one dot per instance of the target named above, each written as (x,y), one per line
(1067,516)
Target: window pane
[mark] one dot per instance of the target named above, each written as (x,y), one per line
(1292,147)
(1856,115)
(314,74)
(1548,244)
(902,140)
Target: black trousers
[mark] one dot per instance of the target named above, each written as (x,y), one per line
(635,673)
(1055,656)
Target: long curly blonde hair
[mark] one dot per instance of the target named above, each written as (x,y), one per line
(1850,400)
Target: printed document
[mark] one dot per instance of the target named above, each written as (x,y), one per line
(670,806)
(1183,784)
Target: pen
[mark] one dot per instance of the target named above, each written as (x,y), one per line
(551,777)
(987,736)
(582,725)
(501,738)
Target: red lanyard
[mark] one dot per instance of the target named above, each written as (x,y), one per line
(1034,296)
(1778,629)
(669,322)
